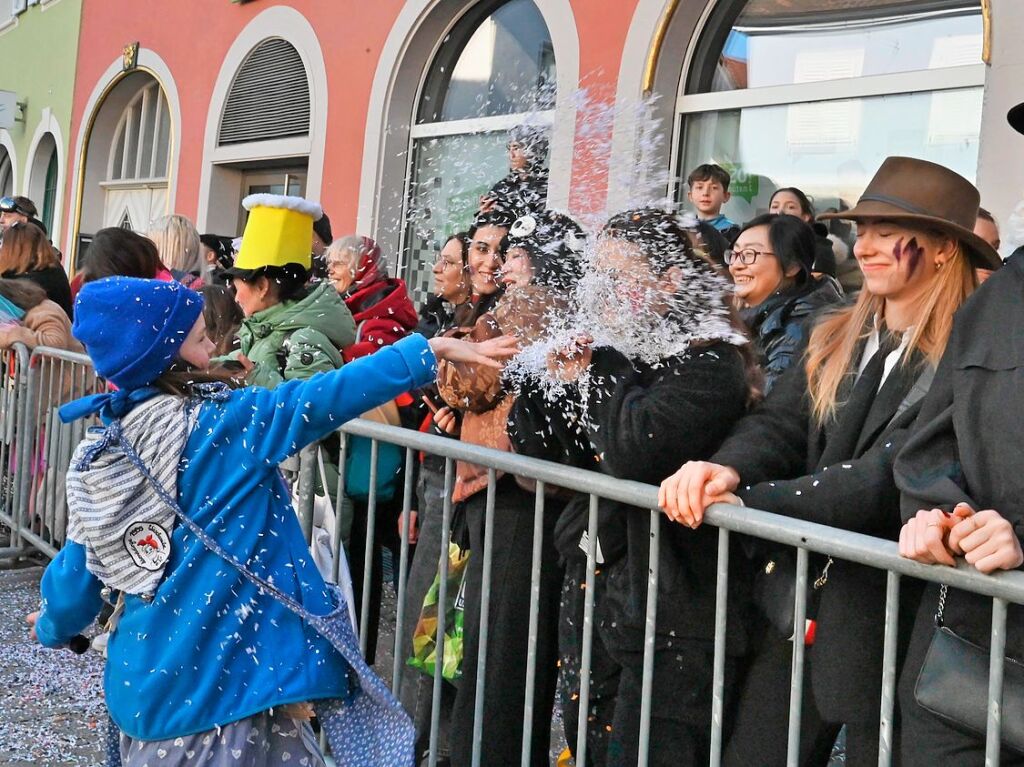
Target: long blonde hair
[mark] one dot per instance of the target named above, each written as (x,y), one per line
(177,241)
(835,339)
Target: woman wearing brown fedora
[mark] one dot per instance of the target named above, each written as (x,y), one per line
(821,448)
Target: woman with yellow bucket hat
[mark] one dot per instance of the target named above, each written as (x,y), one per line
(290,330)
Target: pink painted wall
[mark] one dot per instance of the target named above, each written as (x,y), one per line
(193,37)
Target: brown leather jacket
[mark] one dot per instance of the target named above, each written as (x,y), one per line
(478,392)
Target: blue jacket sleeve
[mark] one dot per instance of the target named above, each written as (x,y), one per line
(71,597)
(278,423)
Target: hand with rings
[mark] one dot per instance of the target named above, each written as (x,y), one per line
(925,537)
(988,541)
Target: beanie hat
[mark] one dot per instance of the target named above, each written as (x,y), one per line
(322,227)
(133,328)
(555,245)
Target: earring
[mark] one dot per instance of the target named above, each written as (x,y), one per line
(938,265)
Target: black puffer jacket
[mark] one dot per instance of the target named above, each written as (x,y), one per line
(780,325)
(643,423)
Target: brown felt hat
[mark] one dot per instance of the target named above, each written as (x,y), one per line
(919,192)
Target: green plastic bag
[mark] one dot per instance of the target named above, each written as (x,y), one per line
(424,638)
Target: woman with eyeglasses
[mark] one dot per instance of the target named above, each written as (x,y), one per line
(770,264)
(821,448)
(26,254)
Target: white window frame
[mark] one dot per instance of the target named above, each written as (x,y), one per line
(135,176)
(893,84)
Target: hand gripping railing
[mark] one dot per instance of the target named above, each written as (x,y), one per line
(806,537)
(35,450)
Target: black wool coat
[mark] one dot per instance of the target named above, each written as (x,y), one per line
(837,474)
(642,423)
(970,443)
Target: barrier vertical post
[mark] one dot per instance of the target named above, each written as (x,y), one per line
(368,551)
(650,633)
(888,706)
(442,597)
(588,633)
(403,573)
(485,599)
(997,656)
(718,674)
(796,689)
(531,657)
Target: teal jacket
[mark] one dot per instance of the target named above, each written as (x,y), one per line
(297,339)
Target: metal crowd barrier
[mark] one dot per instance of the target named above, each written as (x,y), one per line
(32,503)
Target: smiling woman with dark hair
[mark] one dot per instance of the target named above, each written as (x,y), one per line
(771,263)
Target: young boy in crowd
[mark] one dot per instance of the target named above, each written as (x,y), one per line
(709,191)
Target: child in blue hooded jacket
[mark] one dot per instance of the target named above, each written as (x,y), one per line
(203,664)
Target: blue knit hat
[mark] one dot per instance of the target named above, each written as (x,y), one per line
(132,329)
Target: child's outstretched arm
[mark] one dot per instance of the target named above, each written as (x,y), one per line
(280,422)
(71,597)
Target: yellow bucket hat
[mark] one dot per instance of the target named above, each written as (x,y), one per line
(279,232)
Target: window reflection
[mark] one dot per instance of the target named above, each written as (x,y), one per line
(786,42)
(505,65)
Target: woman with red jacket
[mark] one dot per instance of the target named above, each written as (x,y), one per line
(379,304)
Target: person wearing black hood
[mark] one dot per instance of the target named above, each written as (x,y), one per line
(770,264)
(525,189)
(668,377)
(541,265)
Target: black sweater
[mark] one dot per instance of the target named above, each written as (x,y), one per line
(642,423)
(54,280)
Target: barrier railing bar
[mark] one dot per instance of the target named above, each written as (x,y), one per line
(842,544)
(442,601)
(531,658)
(403,572)
(339,498)
(306,489)
(796,685)
(588,633)
(997,655)
(888,706)
(650,631)
(718,673)
(485,612)
(368,551)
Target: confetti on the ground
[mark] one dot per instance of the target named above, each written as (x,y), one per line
(51,701)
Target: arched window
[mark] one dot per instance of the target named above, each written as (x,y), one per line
(142,138)
(816,93)
(6,174)
(494,70)
(269,97)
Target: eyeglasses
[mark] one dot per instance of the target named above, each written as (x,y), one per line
(747,256)
(445,264)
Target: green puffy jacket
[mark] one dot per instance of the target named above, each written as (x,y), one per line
(297,339)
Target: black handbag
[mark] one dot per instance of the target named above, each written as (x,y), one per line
(953,684)
(774,590)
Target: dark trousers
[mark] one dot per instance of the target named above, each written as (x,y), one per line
(761,731)
(927,740)
(508,624)
(681,691)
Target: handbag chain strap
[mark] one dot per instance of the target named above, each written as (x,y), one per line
(943,591)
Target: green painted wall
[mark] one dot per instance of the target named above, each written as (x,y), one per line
(38,54)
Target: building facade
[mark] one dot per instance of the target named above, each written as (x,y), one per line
(38,58)
(395,115)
